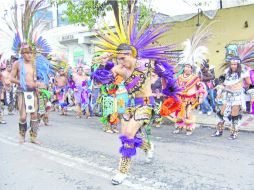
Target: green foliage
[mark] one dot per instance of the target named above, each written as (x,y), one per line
(87,12)
(146,12)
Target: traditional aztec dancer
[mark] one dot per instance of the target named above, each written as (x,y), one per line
(61,89)
(107,98)
(158,97)
(237,76)
(193,90)
(8,89)
(81,91)
(31,70)
(2,121)
(134,50)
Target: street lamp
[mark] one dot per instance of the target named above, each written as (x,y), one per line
(200,12)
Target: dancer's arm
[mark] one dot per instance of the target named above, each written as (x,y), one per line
(14,73)
(247,81)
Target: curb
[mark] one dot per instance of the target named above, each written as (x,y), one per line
(213,126)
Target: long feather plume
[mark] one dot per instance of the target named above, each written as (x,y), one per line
(194,49)
(246,53)
(16,29)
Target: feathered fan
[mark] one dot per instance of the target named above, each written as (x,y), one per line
(243,52)
(246,53)
(194,50)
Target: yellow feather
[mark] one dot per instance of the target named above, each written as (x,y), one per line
(130,26)
(118,31)
(108,38)
(112,34)
(102,42)
(122,32)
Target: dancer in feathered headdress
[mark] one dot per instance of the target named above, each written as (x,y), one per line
(105,94)
(135,49)
(8,90)
(81,91)
(192,89)
(19,36)
(237,77)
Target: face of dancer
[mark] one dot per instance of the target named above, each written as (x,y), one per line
(188,69)
(204,69)
(125,59)
(61,72)
(80,71)
(8,68)
(27,54)
(233,66)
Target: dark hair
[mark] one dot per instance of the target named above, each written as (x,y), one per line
(222,78)
(124,47)
(238,71)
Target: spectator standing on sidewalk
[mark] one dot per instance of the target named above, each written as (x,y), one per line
(207,76)
(219,92)
(158,97)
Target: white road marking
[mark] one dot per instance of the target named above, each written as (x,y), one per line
(73,162)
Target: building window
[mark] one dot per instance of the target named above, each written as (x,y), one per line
(62,19)
(46,16)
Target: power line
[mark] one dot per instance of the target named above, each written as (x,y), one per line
(188,4)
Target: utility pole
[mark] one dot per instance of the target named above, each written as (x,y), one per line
(221,5)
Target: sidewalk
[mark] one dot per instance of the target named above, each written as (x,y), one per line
(203,120)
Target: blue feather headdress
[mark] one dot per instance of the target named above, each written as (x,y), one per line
(241,53)
(20,30)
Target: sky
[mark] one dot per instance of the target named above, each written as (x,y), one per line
(170,7)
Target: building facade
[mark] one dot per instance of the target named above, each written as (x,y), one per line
(230,25)
(73,41)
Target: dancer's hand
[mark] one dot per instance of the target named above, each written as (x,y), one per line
(200,100)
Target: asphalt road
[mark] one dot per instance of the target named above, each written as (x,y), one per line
(77,154)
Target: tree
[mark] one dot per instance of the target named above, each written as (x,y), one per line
(87,12)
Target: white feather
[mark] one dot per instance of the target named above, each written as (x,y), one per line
(194,50)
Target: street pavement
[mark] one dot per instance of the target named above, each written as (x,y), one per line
(77,154)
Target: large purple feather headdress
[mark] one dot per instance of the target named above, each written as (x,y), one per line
(144,40)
